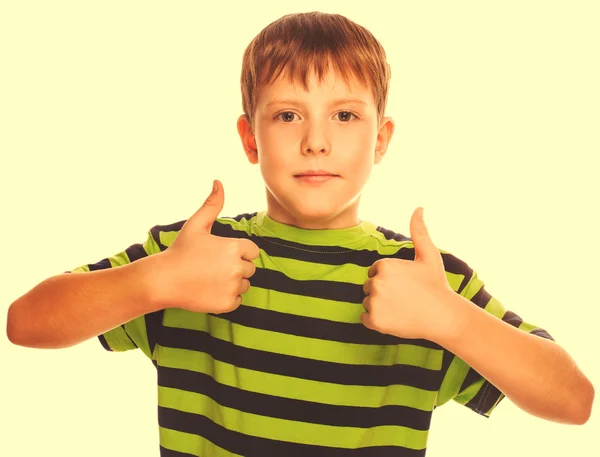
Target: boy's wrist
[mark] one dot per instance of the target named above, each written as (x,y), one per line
(147,280)
(451,325)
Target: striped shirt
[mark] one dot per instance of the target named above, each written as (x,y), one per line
(293,372)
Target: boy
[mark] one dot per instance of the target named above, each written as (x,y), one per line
(302,330)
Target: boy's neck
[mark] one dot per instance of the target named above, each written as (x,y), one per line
(312,219)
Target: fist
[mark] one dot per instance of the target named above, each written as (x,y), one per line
(201,272)
(409,299)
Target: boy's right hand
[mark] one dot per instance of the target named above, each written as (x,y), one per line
(201,272)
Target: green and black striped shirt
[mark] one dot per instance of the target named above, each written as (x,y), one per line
(293,372)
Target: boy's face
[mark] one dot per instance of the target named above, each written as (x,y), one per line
(298,130)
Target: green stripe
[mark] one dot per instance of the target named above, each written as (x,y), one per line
(119,259)
(455,375)
(472,286)
(245,225)
(191,444)
(469,393)
(526,327)
(118,340)
(455,280)
(167,238)
(375,241)
(150,245)
(301,270)
(137,331)
(381,244)
(304,347)
(287,430)
(297,305)
(295,388)
(495,308)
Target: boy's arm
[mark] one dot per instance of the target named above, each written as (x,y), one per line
(537,374)
(68,309)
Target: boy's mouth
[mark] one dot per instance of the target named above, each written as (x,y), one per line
(315,173)
(315,176)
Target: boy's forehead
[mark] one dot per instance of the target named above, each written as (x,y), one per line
(332,83)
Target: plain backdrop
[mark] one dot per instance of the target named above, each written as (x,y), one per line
(116,116)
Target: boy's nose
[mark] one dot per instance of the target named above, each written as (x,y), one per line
(310,150)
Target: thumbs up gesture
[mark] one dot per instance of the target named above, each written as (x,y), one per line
(201,272)
(408,298)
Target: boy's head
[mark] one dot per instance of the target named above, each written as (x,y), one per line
(314,92)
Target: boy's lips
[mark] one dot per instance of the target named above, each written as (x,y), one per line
(315,173)
(315,178)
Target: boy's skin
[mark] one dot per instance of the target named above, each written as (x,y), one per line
(406,299)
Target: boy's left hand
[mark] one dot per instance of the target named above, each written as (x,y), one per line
(409,299)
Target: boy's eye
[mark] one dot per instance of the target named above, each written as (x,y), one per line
(288,116)
(348,115)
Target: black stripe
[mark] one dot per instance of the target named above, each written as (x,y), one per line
(104,343)
(452,264)
(328,255)
(136,252)
(311,327)
(164,452)
(101,265)
(391,235)
(472,377)
(292,409)
(515,320)
(286,365)
(467,277)
(251,446)
(488,394)
(153,322)
(481,298)
(332,290)
(542,333)
(155,232)
(446,360)
(246,216)
(512,319)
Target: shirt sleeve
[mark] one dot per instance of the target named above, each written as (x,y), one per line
(132,334)
(460,382)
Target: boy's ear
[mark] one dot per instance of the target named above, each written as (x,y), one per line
(386,131)
(248,140)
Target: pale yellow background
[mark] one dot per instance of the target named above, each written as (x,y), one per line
(117,115)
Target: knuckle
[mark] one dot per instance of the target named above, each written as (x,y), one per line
(238,269)
(384,264)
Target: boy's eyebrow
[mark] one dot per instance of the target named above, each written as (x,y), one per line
(331,103)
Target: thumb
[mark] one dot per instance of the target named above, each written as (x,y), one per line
(203,219)
(425,250)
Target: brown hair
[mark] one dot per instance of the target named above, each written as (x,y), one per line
(314,41)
